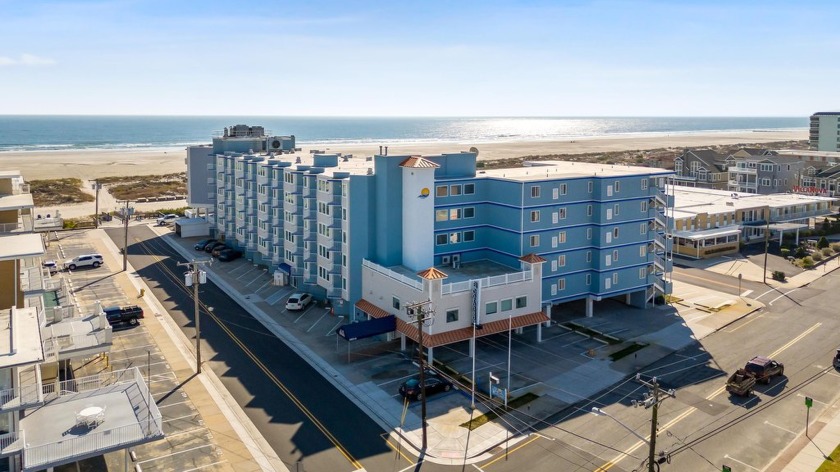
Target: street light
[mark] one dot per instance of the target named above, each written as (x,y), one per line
(599,412)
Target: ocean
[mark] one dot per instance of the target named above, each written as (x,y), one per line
(54,133)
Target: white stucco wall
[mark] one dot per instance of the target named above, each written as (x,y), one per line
(418,221)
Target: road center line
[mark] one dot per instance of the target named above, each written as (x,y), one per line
(607,466)
(783,295)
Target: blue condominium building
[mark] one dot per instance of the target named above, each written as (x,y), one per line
(363,232)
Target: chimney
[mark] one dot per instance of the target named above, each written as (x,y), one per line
(386,150)
(380,150)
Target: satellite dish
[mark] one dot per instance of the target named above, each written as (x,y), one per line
(475,150)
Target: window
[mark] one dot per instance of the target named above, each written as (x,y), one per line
(644,206)
(615,233)
(454,238)
(506,304)
(608,260)
(554,218)
(607,284)
(554,241)
(609,213)
(563,189)
(555,193)
(562,213)
(609,190)
(455,214)
(454,190)
(588,233)
(587,279)
(535,216)
(589,187)
(440,239)
(469,236)
(642,273)
(469,212)
(441,191)
(469,189)
(561,236)
(553,266)
(561,260)
(441,215)
(617,186)
(521,302)
(561,284)
(535,192)
(535,240)
(644,184)
(553,290)
(615,209)
(608,238)
(643,251)
(588,210)
(615,278)
(643,228)
(451,316)
(588,256)
(491,308)
(395,303)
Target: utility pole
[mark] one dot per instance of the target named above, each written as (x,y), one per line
(652,400)
(194,277)
(766,247)
(423,315)
(126,217)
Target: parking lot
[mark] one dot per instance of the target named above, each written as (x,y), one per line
(189,445)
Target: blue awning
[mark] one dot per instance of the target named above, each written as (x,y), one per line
(366,329)
(285,268)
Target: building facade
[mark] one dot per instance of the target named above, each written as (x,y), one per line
(328,224)
(824,133)
(701,168)
(764,174)
(40,422)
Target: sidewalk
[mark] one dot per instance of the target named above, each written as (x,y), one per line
(242,445)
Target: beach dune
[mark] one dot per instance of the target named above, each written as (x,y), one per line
(93,164)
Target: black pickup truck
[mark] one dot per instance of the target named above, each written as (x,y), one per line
(123,314)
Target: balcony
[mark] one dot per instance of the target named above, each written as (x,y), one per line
(27,394)
(76,337)
(52,435)
(743,170)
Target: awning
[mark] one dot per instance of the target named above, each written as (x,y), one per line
(369,328)
(708,233)
(285,268)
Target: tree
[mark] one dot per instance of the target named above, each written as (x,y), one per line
(822,243)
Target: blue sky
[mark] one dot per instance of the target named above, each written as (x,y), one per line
(452,58)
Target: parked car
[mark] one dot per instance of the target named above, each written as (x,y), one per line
(217,249)
(130,314)
(166,219)
(228,255)
(411,388)
(210,247)
(764,368)
(837,360)
(85,260)
(199,246)
(52,266)
(298,301)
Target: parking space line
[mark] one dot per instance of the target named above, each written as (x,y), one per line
(181,417)
(205,466)
(173,404)
(332,331)
(305,311)
(175,453)
(812,398)
(779,427)
(256,279)
(132,348)
(245,273)
(727,456)
(189,431)
(318,321)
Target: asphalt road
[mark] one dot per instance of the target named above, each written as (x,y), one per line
(302,416)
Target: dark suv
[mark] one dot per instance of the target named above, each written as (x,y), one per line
(130,314)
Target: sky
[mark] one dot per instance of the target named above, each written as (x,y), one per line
(430,58)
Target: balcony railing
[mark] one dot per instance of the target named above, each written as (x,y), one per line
(415,284)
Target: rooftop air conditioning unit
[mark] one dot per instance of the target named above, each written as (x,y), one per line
(274,144)
(456,261)
(445,260)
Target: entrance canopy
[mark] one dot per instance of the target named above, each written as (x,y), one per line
(369,328)
(708,233)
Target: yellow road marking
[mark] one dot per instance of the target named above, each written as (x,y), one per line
(608,465)
(261,366)
(501,456)
(399,450)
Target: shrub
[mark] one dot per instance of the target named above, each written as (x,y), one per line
(785,252)
(817,256)
(800,252)
(807,262)
(826,251)
(822,243)
(835,247)
(778,275)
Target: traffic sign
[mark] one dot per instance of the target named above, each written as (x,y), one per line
(809,402)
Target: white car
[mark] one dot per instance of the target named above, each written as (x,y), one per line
(52,266)
(298,301)
(166,219)
(85,260)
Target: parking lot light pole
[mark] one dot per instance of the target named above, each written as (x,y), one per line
(126,217)
(599,412)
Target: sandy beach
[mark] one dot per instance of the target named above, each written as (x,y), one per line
(87,165)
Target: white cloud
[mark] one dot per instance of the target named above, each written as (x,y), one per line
(26,60)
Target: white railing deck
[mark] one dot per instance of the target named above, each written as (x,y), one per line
(415,284)
(504,279)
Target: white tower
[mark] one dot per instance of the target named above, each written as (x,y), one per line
(418,213)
